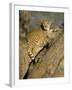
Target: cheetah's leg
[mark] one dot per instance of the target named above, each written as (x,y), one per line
(30,52)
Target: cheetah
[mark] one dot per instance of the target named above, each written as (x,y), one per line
(38,38)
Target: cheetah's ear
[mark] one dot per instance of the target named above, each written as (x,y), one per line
(42,26)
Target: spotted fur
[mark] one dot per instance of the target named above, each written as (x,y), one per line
(37,39)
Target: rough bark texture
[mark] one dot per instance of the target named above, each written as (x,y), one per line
(50,61)
(24,59)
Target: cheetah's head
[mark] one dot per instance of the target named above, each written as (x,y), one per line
(45,25)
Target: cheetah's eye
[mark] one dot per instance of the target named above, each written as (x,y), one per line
(47,22)
(45,26)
